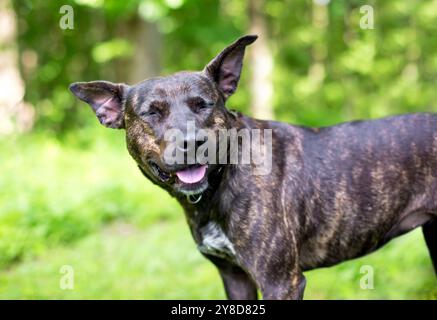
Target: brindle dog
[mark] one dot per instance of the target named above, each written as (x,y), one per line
(333,194)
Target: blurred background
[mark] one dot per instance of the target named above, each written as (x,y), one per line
(71,196)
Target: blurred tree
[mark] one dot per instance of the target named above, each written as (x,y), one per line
(145,39)
(15,114)
(319,24)
(260,56)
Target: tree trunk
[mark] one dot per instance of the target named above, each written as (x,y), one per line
(145,62)
(320,21)
(349,36)
(15,114)
(260,56)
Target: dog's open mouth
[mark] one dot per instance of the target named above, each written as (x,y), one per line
(164,176)
(191,180)
(192,174)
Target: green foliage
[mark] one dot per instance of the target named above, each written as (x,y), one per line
(112,49)
(366,73)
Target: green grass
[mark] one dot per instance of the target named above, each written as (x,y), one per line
(119,262)
(161,262)
(402,270)
(54,193)
(87,206)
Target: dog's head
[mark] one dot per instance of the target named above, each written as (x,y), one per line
(151,109)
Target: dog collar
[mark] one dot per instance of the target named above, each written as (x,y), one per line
(194,198)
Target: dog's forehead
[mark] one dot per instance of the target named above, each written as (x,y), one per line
(175,85)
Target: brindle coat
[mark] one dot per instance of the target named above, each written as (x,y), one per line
(334,193)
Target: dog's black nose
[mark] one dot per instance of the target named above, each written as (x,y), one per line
(189,144)
(183,146)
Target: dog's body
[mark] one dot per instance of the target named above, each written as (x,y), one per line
(333,194)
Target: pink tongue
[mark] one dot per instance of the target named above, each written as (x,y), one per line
(192,175)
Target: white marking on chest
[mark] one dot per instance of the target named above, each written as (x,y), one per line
(215,242)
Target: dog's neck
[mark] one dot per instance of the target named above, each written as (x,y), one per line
(208,199)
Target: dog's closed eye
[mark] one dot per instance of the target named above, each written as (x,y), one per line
(198,103)
(155,109)
(148,113)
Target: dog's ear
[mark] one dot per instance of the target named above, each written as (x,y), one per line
(105,98)
(225,69)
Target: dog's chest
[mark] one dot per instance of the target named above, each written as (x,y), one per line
(213,241)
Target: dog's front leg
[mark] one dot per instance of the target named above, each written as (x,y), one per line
(238,285)
(285,288)
(279,277)
(430,234)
